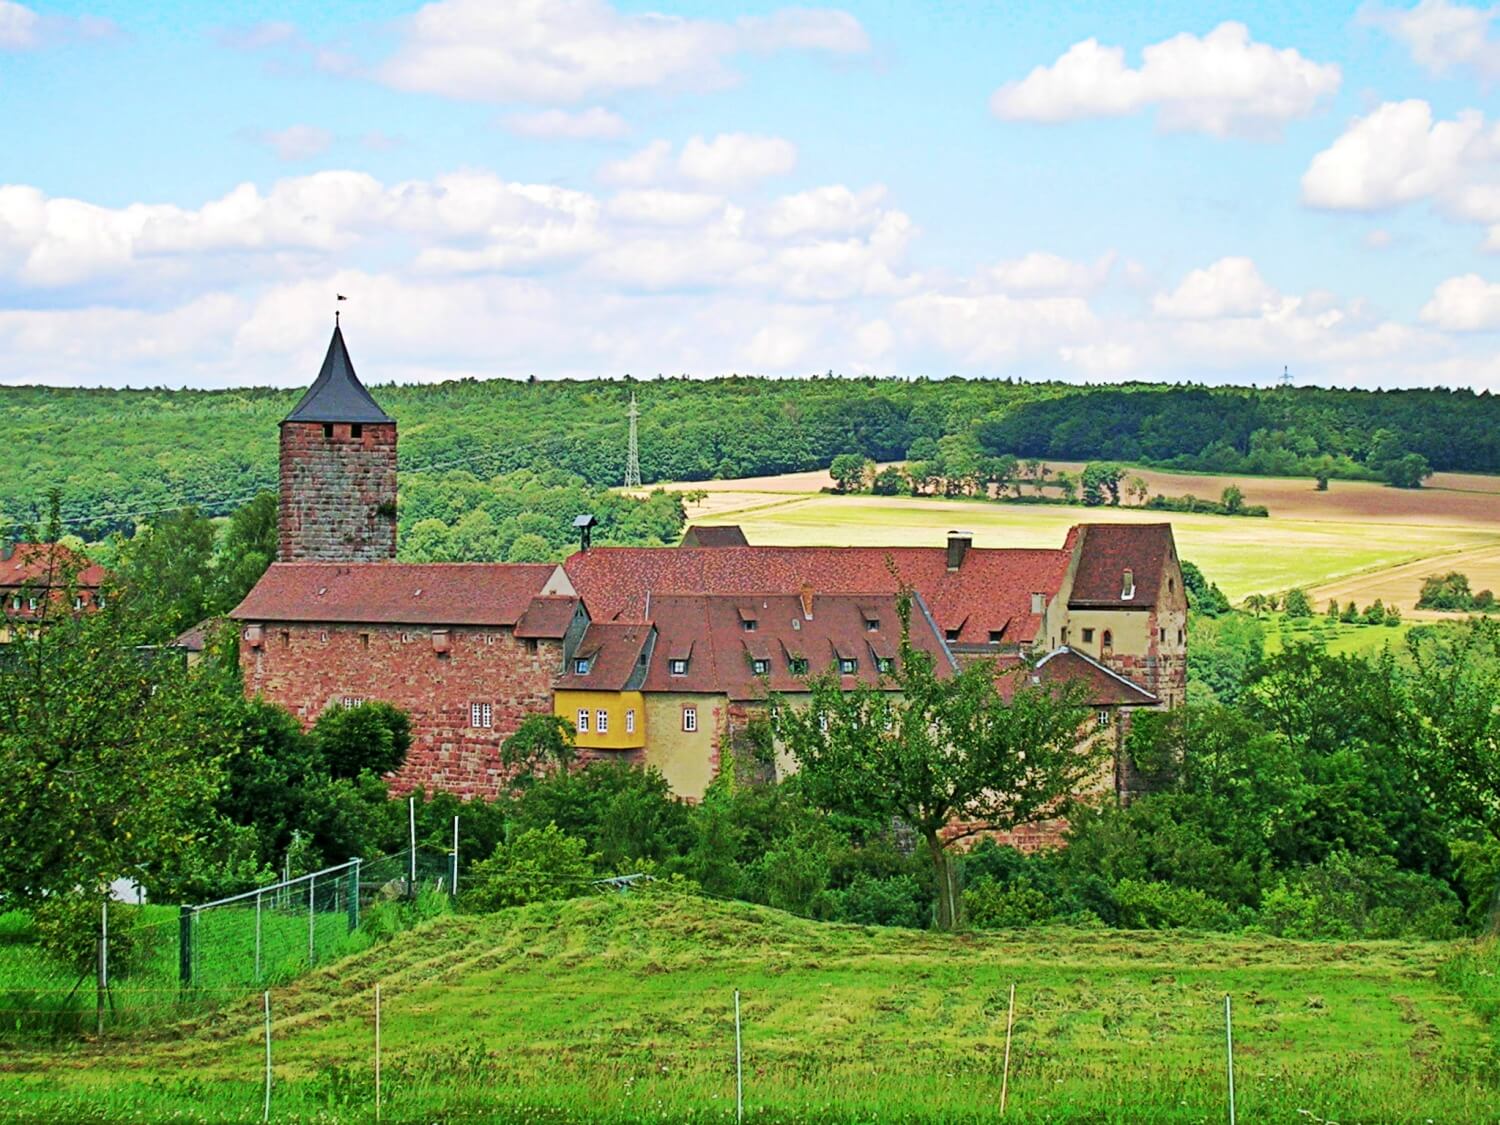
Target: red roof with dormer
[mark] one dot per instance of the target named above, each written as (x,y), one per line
(40,566)
(987,597)
(1108,550)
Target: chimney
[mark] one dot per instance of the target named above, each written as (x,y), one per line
(959,543)
(807,602)
(584,525)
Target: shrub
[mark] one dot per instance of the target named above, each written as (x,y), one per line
(539,865)
(896,901)
(989,905)
(67,930)
(1142,905)
(1296,604)
(373,736)
(1360,896)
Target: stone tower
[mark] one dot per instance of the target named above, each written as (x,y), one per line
(338,470)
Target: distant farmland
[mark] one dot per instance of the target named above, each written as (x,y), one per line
(1358,540)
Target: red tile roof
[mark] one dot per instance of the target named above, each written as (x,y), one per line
(613,652)
(721,535)
(1107,550)
(396,593)
(711,631)
(37,566)
(990,592)
(547,617)
(1105,687)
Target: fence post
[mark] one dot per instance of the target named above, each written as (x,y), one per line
(377,1050)
(257,937)
(185,946)
(312,922)
(354,894)
(411,821)
(265,1113)
(101,981)
(1229,1048)
(1010,1022)
(453,869)
(739,1067)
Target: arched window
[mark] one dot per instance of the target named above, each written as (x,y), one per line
(1108,641)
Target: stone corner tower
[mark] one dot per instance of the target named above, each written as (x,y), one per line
(338,470)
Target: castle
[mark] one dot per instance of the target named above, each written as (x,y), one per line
(661,656)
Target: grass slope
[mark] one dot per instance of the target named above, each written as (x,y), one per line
(620,1009)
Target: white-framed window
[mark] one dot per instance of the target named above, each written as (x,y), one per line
(630,721)
(15,602)
(747,624)
(797,666)
(848,667)
(583,720)
(884,665)
(872,624)
(31,603)
(78,601)
(1127,585)
(581,666)
(760,667)
(349,702)
(481,715)
(823,723)
(1103,717)
(690,718)
(601,721)
(677,667)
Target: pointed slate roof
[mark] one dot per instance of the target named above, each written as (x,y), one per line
(337,395)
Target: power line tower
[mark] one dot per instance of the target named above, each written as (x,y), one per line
(1286,376)
(633,458)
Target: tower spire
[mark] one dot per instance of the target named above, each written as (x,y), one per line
(633,457)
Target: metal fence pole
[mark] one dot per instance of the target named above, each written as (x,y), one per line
(453,874)
(1010,1022)
(1229,1048)
(312,923)
(353,895)
(377,1050)
(739,1065)
(411,821)
(257,938)
(185,946)
(101,983)
(265,1113)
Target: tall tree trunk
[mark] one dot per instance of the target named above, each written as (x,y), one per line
(945,872)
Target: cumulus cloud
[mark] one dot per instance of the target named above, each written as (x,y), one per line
(23,29)
(1223,84)
(659,207)
(831,209)
(592,124)
(20,27)
(1443,37)
(1041,272)
(1229,287)
(1464,304)
(562,51)
(1399,154)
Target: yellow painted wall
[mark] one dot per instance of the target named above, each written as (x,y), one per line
(1130,629)
(685,758)
(567,704)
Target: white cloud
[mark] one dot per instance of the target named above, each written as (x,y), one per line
(725,161)
(560,51)
(1222,84)
(295,142)
(1464,304)
(736,158)
(1398,154)
(659,207)
(1041,272)
(832,209)
(1228,288)
(20,27)
(1443,37)
(995,329)
(592,124)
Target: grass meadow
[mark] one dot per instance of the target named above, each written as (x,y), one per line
(620,1009)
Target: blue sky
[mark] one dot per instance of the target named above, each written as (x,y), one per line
(579,187)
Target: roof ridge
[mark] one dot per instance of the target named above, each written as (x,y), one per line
(337,395)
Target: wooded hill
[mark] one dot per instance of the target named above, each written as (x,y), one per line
(118,455)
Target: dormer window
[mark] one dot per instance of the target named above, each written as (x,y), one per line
(760,667)
(747,624)
(884,665)
(677,667)
(872,625)
(581,666)
(950,634)
(995,635)
(848,667)
(1038,603)
(1127,586)
(797,665)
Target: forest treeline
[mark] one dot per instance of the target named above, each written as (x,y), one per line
(120,456)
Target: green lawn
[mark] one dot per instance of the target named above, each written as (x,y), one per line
(621,1010)
(1242,555)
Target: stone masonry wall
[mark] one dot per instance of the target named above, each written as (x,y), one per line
(308,668)
(338,492)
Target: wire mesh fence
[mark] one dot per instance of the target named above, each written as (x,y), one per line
(140,964)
